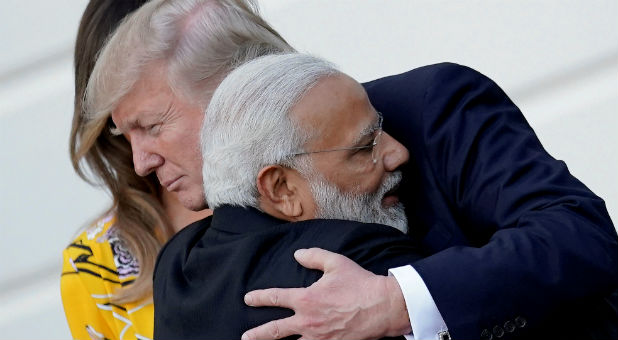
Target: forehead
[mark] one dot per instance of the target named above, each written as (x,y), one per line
(335,110)
(150,95)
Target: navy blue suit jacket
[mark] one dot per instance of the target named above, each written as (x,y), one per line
(515,238)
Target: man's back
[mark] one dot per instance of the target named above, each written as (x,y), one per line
(203,272)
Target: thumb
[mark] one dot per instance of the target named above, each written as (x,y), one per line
(317,258)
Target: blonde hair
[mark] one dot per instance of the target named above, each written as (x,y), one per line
(198,42)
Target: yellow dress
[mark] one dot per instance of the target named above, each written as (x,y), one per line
(94,265)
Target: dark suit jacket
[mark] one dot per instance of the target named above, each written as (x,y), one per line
(515,238)
(204,271)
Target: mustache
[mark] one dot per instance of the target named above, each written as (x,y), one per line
(390,183)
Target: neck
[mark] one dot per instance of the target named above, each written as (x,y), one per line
(178,215)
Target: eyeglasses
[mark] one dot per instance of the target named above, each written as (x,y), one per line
(372,146)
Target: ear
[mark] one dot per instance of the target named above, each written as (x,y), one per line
(280,194)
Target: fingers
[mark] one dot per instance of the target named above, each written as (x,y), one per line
(276,329)
(317,258)
(273,297)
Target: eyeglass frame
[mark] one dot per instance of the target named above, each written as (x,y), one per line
(373,145)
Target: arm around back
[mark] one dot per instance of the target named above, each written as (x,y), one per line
(514,235)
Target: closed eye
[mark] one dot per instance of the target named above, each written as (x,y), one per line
(369,146)
(153,129)
(370,135)
(365,147)
(372,142)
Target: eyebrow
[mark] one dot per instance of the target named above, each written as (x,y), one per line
(136,121)
(131,124)
(368,131)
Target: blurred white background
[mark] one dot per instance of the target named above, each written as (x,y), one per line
(557,59)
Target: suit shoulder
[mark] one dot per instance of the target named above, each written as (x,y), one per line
(183,240)
(343,235)
(445,67)
(374,247)
(425,75)
(341,228)
(193,230)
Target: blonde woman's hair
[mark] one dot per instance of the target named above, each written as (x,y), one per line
(198,42)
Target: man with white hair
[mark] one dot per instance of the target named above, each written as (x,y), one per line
(286,138)
(333,143)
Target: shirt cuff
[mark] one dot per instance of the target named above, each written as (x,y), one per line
(425,318)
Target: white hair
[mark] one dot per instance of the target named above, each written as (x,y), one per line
(248,125)
(197,41)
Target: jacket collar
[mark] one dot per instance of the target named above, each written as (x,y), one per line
(238,220)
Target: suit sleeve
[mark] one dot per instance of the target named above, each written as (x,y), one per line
(538,238)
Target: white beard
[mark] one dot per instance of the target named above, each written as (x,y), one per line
(361,207)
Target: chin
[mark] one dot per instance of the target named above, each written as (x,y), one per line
(193,201)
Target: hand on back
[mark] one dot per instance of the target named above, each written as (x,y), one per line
(348,302)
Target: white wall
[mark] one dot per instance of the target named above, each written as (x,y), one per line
(557,59)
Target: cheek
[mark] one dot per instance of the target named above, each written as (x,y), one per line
(348,175)
(180,144)
(375,183)
(193,136)
(364,182)
(192,162)
(193,158)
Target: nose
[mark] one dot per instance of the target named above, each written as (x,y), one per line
(394,154)
(145,159)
